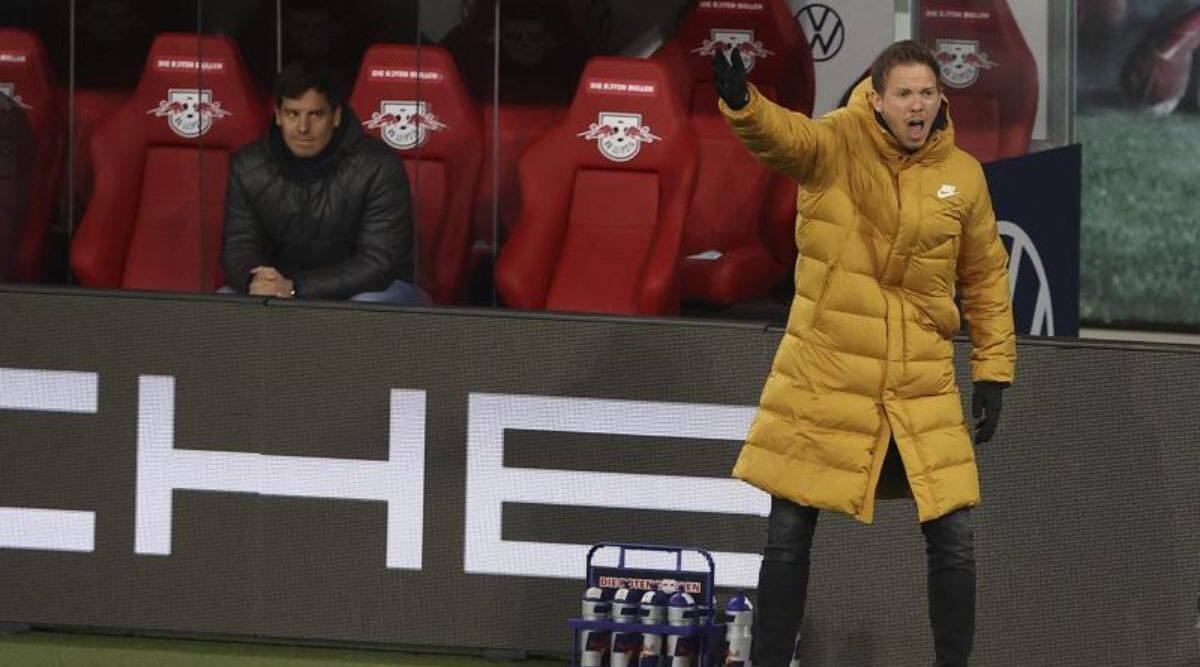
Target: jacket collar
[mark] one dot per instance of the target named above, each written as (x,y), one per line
(939,144)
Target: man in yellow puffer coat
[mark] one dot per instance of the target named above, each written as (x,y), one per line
(894,220)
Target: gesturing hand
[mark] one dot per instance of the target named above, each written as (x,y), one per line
(729,76)
(985,408)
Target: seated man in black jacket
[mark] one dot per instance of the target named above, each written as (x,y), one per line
(317,209)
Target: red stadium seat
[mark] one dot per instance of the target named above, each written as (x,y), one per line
(739,239)
(91,107)
(25,76)
(605,195)
(161,163)
(415,102)
(543,50)
(987,73)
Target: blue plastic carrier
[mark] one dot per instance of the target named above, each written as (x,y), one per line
(700,583)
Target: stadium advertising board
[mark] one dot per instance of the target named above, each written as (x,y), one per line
(369,475)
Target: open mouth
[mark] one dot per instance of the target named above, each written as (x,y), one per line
(916,127)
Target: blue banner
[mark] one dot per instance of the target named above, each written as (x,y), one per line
(1036,198)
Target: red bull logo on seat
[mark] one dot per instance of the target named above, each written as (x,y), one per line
(10,90)
(619,135)
(727,39)
(190,112)
(404,124)
(961,61)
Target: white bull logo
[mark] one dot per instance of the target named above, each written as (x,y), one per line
(726,40)
(404,124)
(190,112)
(619,135)
(960,61)
(10,90)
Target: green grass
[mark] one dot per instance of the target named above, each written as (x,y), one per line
(1140,241)
(53,649)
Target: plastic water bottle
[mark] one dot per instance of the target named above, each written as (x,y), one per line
(625,644)
(593,644)
(653,612)
(681,613)
(739,619)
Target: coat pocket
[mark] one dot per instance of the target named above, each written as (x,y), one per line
(823,293)
(945,322)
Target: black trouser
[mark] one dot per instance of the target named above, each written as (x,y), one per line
(783,584)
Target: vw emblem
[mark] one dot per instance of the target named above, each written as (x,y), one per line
(1023,253)
(824,28)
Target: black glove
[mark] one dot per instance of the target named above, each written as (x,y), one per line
(729,76)
(985,408)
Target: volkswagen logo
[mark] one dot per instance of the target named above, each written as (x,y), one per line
(1023,254)
(825,30)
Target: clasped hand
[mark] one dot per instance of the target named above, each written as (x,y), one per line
(268,281)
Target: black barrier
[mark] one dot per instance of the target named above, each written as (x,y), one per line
(350,474)
(1036,198)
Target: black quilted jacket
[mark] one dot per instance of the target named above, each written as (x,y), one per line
(337,224)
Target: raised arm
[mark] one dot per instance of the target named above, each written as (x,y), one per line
(786,141)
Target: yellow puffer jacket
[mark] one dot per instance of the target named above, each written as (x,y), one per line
(885,239)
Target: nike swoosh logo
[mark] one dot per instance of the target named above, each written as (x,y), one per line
(1169,53)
